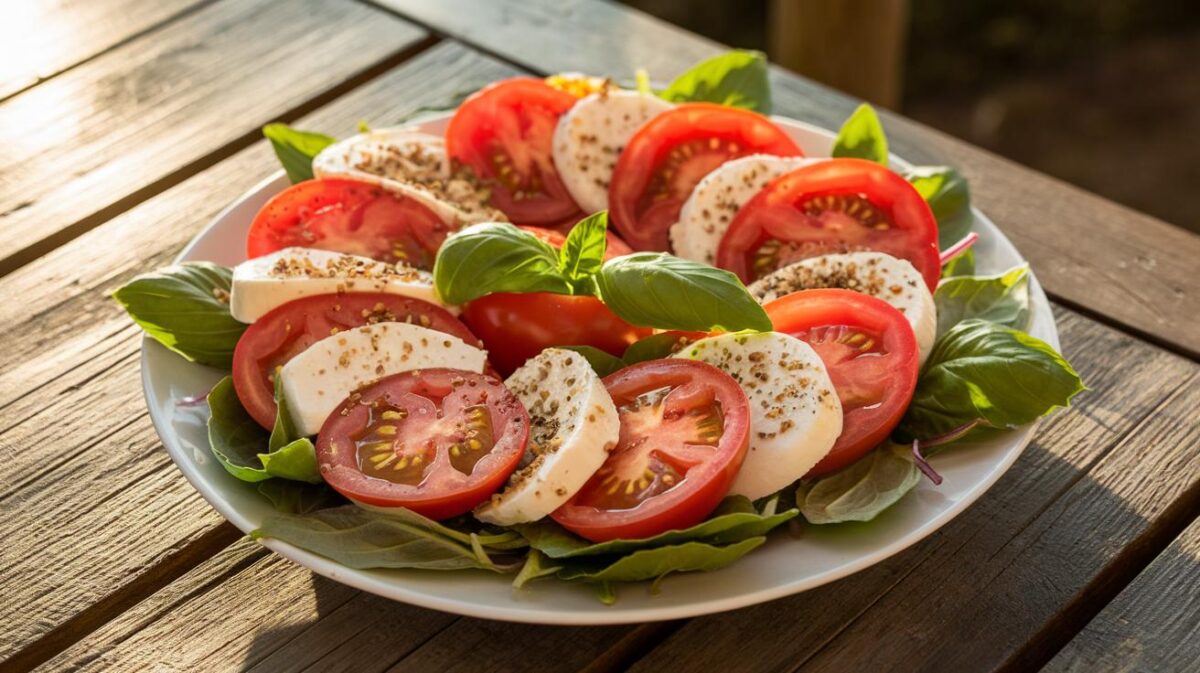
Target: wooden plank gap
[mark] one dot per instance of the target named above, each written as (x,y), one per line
(633,646)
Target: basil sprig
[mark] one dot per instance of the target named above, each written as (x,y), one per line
(186,309)
(737,78)
(643,289)
(862,137)
(296,149)
(249,452)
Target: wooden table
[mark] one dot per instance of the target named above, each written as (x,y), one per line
(127,124)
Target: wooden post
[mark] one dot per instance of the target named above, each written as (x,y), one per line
(856,46)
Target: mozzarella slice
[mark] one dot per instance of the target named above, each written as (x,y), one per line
(264,283)
(589,139)
(322,376)
(795,415)
(891,279)
(413,164)
(717,198)
(573,426)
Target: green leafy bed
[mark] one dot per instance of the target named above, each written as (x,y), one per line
(984,373)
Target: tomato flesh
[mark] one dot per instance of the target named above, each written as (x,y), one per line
(840,205)
(870,352)
(281,334)
(436,441)
(351,216)
(685,428)
(503,134)
(667,157)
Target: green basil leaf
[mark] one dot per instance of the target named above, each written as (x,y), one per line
(948,196)
(861,490)
(1003,299)
(363,126)
(285,431)
(295,497)
(733,521)
(296,149)
(651,564)
(602,363)
(235,437)
(359,539)
(295,460)
(536,565)
(962,265)
(494,257)
(654,289)
(737,78)
(583,252)
(186,309)
(655,347)
(862,137)
(981,371)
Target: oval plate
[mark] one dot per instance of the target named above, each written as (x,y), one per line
(783,566)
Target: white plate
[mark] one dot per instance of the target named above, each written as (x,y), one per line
(783,566)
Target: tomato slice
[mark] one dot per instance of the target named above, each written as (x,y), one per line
(436,441)
(516,327)
(685,427)
(840,205)
(668,156)
(283,333)
(615,248)
(504,133)
(871,354)
(350,216)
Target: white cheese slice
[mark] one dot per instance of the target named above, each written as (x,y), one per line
(573,426)
(262,284)
(318,379)
(795,415)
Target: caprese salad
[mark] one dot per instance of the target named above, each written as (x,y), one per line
(597,333)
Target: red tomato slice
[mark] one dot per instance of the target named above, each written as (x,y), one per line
(436,441)
(351,216)
(840,205)
(685,426)
(504,134)
(668,156)
(280,335)
(871,354)
(516,327)
(615,248)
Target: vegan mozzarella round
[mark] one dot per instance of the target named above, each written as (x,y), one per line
(573,426)
(413,164)
(878,274)
(318,379)
(718,197)
(264,283)
(795,415)
(589,139)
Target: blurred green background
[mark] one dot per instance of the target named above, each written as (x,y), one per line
(1104,94)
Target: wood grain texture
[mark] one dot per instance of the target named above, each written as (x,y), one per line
(86,465)
(1104,259)
(41,39)
(1153,626)
(98,139)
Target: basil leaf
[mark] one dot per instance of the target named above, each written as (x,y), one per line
(234,436)
(962,265)
(285,431)
(359,539)
(733,521)
(737,78)
(981,371)
(862,137)
(494,257)
(295,460)
(536,565)
(1003,299)
(602,363)
(654,289)
(948,196)
(655,347)
(186,309)
(649,564)
(583,252)
(294,497)
(861,490)
(296,149)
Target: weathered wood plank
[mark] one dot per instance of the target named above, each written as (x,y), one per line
(41,39)
(1105,259)
(101,137)
(1154,625)
(86,464)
